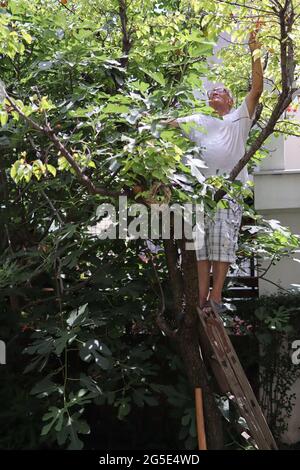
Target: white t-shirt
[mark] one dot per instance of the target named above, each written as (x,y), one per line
(222,141)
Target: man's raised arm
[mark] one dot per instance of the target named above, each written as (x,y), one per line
(257,85)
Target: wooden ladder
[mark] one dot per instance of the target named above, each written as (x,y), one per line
(230,376)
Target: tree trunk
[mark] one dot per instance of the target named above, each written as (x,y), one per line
(188,345)
(184,279)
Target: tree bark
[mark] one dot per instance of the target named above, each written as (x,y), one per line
(187,338)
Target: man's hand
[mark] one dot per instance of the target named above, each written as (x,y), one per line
(170,122)
(253,43)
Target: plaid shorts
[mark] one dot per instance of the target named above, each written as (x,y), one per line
(221,234)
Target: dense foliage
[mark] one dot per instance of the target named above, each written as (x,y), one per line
(84,86)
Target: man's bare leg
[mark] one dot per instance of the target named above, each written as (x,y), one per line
(220,270)
(204,267)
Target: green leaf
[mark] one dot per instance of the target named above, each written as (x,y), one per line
(140,85)
(76,426)
(46,104)
(3,118)
(111,108)
(203,49)
(14,169)
(124,409)
(26,37)
(60,343)
(222,204)
(51,169)
(59,423)
(52,415)
(76,443)
(90,384)
(186,420)
(95,349)
(157,76)
(165,47)
(45,387)
(78,316)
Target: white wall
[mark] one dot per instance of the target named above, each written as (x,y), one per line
(292,148)
(277,196)
(287,271)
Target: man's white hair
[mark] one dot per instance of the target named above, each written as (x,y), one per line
(221,86)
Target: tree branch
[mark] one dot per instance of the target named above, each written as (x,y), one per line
(287,62)
(175,275)
(160,319)
(53,208)
(275,284)
(287,132)
(252,7)
(66,7)
(126,41)
(49,132)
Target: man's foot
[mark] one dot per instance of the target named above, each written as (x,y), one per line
(220,308)
(206,307)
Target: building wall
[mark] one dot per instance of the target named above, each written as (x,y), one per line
(277,196)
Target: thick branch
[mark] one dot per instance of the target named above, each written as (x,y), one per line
(33,124)
(160,319)
(175,275)
(84,179)
(126,41)
(190,281)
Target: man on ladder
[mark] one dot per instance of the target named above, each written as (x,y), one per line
(222,144)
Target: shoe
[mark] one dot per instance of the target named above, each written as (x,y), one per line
(206,308)
(221,308)
(205,305)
